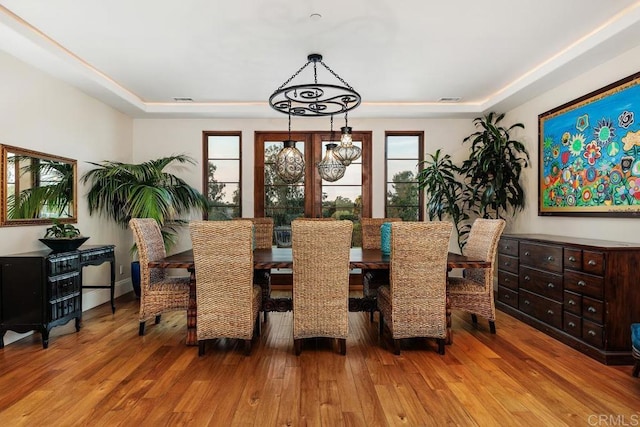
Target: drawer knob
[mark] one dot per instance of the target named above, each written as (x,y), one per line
(591,262)
(591,310)
(571,302)
(572,325)
(572,258)
(582,283)
(526,253)
(527,302)
(550,312)
(507,263)
(527,278)
(592,333)
(507,247)
(506,280)
(550,258)
(506,296)
(550,286)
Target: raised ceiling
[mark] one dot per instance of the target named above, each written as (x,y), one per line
(402,56)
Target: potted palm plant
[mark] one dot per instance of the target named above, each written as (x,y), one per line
(121,191)
(486,185)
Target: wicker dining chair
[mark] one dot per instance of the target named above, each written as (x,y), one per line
(321,280)
(371,279)
(414,304)
(263,238)
(473,293)
(228,301)
(263,231)
(159,293)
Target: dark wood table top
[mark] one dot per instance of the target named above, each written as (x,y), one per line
(371,259)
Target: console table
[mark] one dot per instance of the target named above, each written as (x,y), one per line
(41,289)
(583,292)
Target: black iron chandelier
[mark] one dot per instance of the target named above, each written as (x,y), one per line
(317,100)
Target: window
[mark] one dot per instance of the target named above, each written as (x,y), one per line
(403,157)
(347,198)
(222,174)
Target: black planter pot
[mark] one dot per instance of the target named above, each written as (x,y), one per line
(135,277)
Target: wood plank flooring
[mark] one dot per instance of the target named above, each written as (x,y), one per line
(106,375)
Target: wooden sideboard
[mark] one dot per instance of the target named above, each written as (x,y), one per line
(41,289)
(583,292)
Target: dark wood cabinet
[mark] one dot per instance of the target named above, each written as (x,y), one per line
(40,290)
(583,292)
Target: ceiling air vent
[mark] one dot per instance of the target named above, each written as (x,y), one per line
(450,99)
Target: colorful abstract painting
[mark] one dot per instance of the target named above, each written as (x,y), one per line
(590,153)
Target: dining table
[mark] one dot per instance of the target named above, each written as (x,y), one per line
(266,259)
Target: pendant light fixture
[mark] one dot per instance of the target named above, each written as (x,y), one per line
(330,167)
(289,161)
(346,151)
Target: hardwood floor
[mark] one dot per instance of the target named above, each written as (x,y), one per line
(107,375)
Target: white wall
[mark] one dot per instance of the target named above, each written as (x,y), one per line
(44,114)
(619,229)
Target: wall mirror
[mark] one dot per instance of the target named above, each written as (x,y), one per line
(37,187)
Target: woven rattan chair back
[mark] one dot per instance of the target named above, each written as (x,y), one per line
(158,293)
(225,293)
(482,243)
(371,231)
(263,231)
(415,302)
(320,280)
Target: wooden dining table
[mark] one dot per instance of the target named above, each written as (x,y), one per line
(266,259)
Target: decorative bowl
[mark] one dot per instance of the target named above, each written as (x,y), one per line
(64,244)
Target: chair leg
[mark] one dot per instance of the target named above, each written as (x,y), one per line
(141,328)
(636,368)
(492,326)
(441,342)
(158,318)
(256,327)
(297,346)
(474,319)
(264,314)
(371,316)
(342,346)
(247,347)
(396,347)
(201,347)
(381,323)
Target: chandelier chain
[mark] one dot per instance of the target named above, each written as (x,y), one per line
(294,76)
(336,75)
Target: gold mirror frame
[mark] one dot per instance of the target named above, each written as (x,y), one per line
(28,168)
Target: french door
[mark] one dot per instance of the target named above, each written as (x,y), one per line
(347,198)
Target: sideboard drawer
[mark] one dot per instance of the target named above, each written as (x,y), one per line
(573,303)
(583,283)
(593,310)
(508,247)
(572,324)
(541,282)
(592,333)
(544,257)
(508,263)
(572,258)
(593,262)
(508,296)
(541,308)
(508,280)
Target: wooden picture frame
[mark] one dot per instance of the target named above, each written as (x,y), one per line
(589,154)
